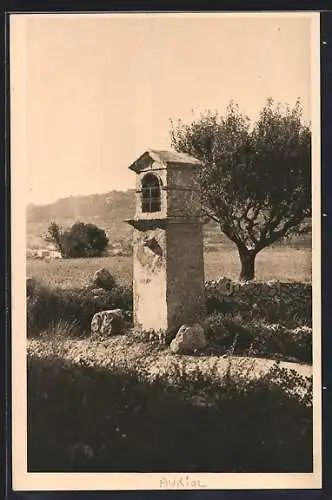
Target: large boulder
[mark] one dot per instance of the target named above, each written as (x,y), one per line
(107,323)
(103,279)
(190,338)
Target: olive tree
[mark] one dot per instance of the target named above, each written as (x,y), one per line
(255,177)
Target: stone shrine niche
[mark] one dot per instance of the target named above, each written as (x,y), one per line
(151,197)
(168,281)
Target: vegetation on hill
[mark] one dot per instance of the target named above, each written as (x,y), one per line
(114,205)
(108,211)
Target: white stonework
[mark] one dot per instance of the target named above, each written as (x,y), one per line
(167,244)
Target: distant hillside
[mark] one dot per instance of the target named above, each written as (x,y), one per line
(109,211)
(114,205)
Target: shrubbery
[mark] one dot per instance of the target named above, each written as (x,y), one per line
(258,319)
(81,418)
(80,240)
(233,335)
(289,304)
(47,307)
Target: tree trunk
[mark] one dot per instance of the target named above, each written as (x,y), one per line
(247,259)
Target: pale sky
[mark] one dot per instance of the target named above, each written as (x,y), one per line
(101,90)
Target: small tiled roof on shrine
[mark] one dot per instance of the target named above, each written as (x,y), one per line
(164,157)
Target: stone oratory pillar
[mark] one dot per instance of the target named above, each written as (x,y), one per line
(168,284)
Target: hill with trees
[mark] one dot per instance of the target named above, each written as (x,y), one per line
(114,205)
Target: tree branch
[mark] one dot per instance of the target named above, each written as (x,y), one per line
(209,214)
(293,221)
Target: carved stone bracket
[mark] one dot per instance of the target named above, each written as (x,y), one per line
(145,224)
(153,223)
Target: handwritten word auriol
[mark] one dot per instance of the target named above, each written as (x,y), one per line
(185,482)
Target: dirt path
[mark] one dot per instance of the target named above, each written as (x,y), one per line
(124,349)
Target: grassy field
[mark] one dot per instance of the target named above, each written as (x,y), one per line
(278,263)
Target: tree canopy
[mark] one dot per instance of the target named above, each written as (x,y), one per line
(81,240)
(255,177)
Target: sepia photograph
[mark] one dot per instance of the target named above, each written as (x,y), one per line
(165,187)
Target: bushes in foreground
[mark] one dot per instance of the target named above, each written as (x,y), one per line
(260,319)
(289,304)
(49,307)
(89,419)
(231,334)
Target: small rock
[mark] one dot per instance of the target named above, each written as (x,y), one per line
(103,279)
(106,323)
(189,338)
